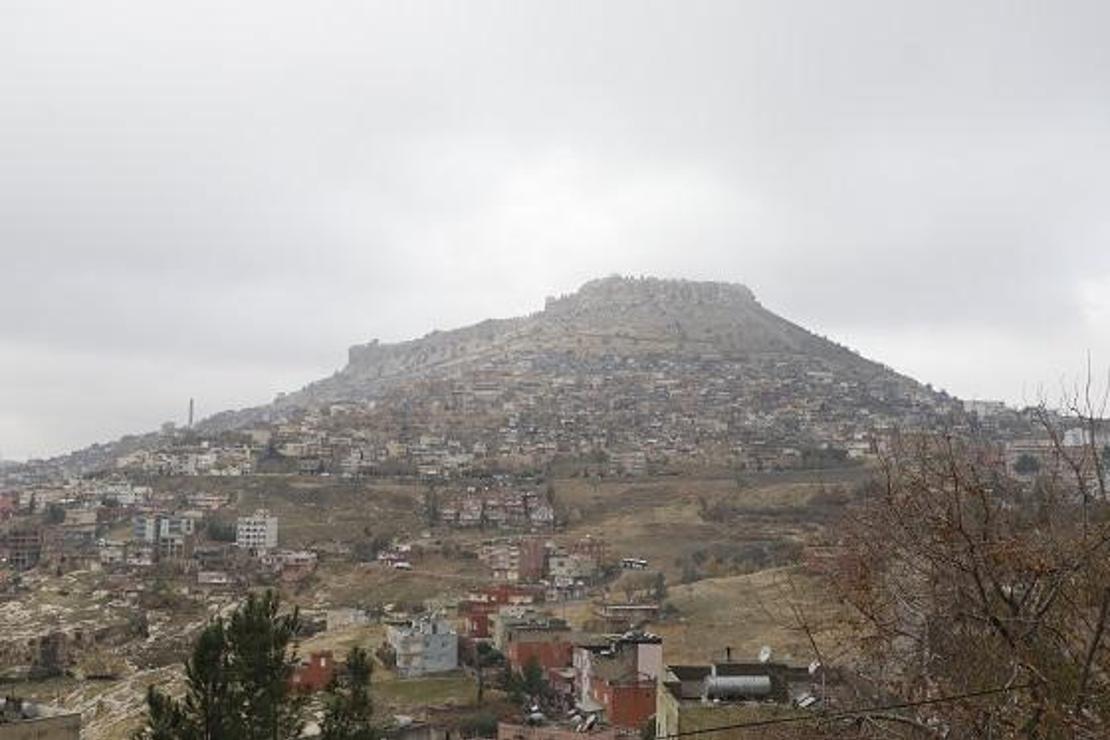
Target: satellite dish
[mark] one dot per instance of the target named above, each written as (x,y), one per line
(814,667)
(764,654)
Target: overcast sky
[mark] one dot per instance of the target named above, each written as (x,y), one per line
(215,199)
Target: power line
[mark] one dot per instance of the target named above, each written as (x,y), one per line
(848,713)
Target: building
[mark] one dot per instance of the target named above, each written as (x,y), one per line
(624,617)
(22,720)
(9,504)
(291,565)
(690,699)
(26,543)
(314,674)
(213,578)
(79,530)
(566,568)
(171,536)
(479,607)
(257,533)
(423,646)
(984,409)
(618,678)
(522,561)
(534,637)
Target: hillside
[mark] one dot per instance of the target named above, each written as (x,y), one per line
(641,371)
(640,374)
(605,318)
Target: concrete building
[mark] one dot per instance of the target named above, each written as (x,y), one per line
(25,546)
(479,607)
(423,646)
(569,567)
(22,720)
(693,698)
(618,677)
(257,533)
(79,530)
(171,536)
(522,561)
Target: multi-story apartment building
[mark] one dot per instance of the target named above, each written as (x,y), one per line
(172,536)
(423,646)
(257,533)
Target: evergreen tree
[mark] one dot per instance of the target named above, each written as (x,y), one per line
(260,668)
(348,712)
(237,681)
(165,719)
(431,505)
(659,588)
(533,683)
(208,701)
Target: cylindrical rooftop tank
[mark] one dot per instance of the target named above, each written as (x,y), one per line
(737,687)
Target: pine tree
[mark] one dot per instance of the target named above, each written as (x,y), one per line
(660,587)
(165,719)
(260,668)
(348,712)
(237,681)
(533,681)
(208,701)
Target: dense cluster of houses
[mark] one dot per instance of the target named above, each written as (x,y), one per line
(623,415)
(565,571)
(110,524)
(596,681)
(495,507)
(612,413)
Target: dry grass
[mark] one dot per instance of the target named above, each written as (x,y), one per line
(750,611)
(666,522)
(316,510)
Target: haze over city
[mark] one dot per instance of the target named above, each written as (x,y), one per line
(212,201)
(554,370)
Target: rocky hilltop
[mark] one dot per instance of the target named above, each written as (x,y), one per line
(654,374)
(635,317)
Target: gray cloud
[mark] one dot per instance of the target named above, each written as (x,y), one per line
(216,199)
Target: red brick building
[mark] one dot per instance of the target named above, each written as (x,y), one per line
(481,605)
(628,702)
(620,676)
(315,674)
(550,648)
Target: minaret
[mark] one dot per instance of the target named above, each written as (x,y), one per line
(191,407)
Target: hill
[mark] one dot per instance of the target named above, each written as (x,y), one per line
(632,370)
(605,318)
(637,375)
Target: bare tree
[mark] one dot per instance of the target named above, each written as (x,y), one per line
(963,579)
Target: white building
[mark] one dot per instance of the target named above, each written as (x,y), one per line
(257,533)
(154,527)
(423,646)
